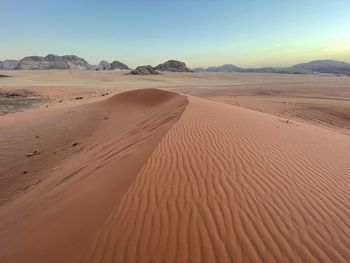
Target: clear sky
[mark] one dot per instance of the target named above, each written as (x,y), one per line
(199,32)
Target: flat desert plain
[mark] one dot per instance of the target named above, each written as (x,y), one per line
(180,167)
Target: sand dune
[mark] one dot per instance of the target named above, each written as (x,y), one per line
(232,185)
(51,215)
(166,181)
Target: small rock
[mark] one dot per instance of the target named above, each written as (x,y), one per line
(33,153)
(11,94)
(24,172)
(75,144)
(79,98)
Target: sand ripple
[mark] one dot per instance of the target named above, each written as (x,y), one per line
(232,185)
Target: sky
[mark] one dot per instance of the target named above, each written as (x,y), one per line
(249,33)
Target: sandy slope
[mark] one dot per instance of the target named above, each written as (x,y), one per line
(160,181)
(231,185)
(51,213)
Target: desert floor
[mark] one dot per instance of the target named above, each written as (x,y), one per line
(320,100)
(203,167)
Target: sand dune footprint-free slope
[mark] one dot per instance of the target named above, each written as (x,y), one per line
(175,179)
(54,220)
(227,184)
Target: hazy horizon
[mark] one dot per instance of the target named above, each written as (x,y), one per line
(201,33)
(207,66)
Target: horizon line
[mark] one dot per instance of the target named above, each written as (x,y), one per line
(193,67)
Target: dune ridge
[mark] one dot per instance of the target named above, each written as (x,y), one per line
(53,216)
(227,184)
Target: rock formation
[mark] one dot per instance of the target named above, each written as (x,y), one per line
(173,66)
(118,65)
(52,62)
(103,65)
(144,70)
(9,64)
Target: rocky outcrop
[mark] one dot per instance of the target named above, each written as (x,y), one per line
(115,65)
(103,65)
(118,65)
(52,62)
(144,70)
(59,62)
(9,64)
(76,62)
(173,66)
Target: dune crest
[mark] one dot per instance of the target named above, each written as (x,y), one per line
(53,216)
(227,184)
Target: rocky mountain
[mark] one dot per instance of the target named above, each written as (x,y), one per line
(144,70)
(115,65)
(118,65)
(103,65)
(9,64)
(224,68)
(52,62)
(323,66)
(173,66)
(313,67)
(59,62)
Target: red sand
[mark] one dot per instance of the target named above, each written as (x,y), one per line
(215,183)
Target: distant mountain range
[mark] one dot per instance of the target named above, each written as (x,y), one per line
(58,62)
(74,62)
(313,67)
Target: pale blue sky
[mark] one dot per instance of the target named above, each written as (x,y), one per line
(199,32)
